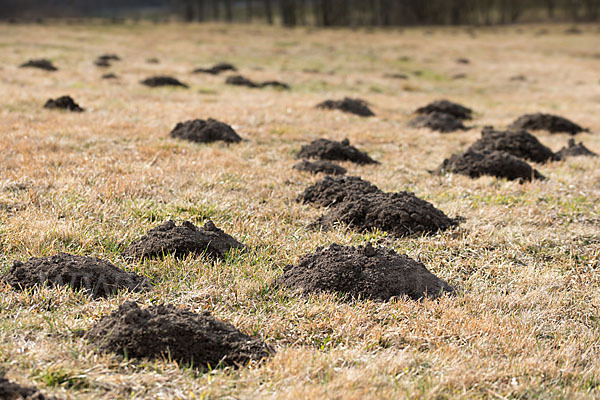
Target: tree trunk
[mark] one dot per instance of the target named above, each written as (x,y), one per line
(200,10)
(228,11)
(215,4)
(248,10)
(269,11)
(188,11)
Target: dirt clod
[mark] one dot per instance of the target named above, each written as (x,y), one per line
(362,272)
(493,163)
(109,57)
(102,63)
(438,121)
(157,81)
(97,277)
(168,238)
(216,69)
(546,122)
(64,103)
(239,80)
(333,190)
(110,76)
(444,106)
(41,63)
(202,131)
(349,105)
(574,150)
(316,167)
(325,149)
(519,143)
(14,391)
(181,335)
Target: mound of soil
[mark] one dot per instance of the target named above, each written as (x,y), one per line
(97,277)
(181,335)
(438,121)
(444,106)
(325,149)
(493,163)
(546,122)
(320,166)
(463,61)
(168,238)
(334,190)
(14,391)
(41,63)
(64,103)
(216,69)
(362,272)
(275,84)
(202,131)
(109,57)
(519,143)
(102,63)
(349,105)
(239,80)
(574,150)
(110,76)
(157,81)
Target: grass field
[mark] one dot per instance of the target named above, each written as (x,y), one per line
(527,321)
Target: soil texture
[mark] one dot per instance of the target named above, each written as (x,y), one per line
(546,122)
(40,63)
(519,143)
(157,81)
(325,149)
(316,167)
(574,150)
(202,131)
(444,106)
(333,190)
(63,103)
(438,121)
(349,105)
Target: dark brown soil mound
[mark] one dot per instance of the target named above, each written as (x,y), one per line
(165,331)
(574,150)
(546,122)
(97,277)
(102,63)
(276,85)
(438,121)
(444,106)
(362,272)
(463,61)
(216,69)
(64,103)
(14,391)
(325,149)
(349,105)
(41,63)
(520,143)
(109,57)
(334,190)
(239,80)
(320,166)
(168,238)
(110,76)
(493,163)
(157,81)
(202,131)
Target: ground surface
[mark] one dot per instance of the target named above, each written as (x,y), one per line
(526,259)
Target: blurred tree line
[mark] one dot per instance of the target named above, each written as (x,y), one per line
(319,12)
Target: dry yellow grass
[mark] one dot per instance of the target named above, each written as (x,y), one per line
(526,259)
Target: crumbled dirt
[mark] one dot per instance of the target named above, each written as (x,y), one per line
(166,331)
(110,76)
(202,131)
(444,106)
(216,69)
(349,105)
(438,121)
(362,272)
(239,80)
(519,143)
(168,238)
(102,63)
(41,63)
(325,149)
(493,163)
(157,81)
(546,122)
(14,391)
(574,150)
(64,103)
(97,277)
(316,167)
(334,190)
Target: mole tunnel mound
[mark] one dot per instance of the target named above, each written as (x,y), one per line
(438,121)
(574,150)
(546,122)
(519,143)
(63,103)
(349,105)
(362,273)
(158,81)
(319,166)
(458,111)
(325,149)
(14,391)
(97,277)
(166,331)
(201,131)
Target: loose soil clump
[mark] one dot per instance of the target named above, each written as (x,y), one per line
(444,106)
(325,149)
(546,122)
(109,57)
(574,150)
(63,103)
(316,167)
(493,163)
(166,331)
(97,277)
(519,143)
(157,81)
(110,76)
(349,105)
(438,121)
(202,131)
(168,238)
(216,69)
(41,63)
(14,391)
(363,273)
(333,190)
(238,80)
(102,63)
